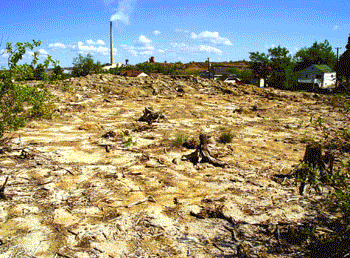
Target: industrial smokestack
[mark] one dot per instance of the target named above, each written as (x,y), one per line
(111,34)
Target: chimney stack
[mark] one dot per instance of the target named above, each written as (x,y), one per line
(111,46)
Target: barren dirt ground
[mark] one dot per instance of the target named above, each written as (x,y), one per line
(73,193)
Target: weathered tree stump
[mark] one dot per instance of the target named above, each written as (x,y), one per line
(150,116)
(313,156)
(2,190)
(314,159)
(202,154)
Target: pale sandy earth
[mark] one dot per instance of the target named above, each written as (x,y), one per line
(68,197)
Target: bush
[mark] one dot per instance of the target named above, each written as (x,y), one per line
(20,102)
(179,140)
(83,66)
(225,136)
(245,75)
(57,73)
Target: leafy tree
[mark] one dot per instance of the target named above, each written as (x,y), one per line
(19,102)
(57,73)
(281,63)
(260,63)
(318,53)
(245,75)
(275,66)
(83,66)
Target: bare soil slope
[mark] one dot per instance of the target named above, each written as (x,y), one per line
(95,182)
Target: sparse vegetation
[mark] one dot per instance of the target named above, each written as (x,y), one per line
(83,66)
(20,102)
(179,140)
(334,242)
(226,135)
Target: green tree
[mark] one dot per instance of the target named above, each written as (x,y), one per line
(83,66)
(318,53)
(281,64)
(260,63)
(19,102)
(275,66)
(57,73)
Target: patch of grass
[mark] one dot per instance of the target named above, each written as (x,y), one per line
(129,142)
(226,135)
(190,143)
(179,140)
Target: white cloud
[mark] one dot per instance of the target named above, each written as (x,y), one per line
(212,37)
(97,42)
(144,40)
(183,48)
(143,46)
(3,53)
(58,45)
(156,32)
(210,49)
(336,27)
(89,48)
(125,9)
(43,52)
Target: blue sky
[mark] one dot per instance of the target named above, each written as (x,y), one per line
(172,30)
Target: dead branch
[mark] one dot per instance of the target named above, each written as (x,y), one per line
(202,154)
(63,255)
(147,199)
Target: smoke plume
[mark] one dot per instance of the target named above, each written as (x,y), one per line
(125,9)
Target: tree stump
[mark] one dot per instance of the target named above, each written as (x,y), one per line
(2,189)
(150,116)
(202,154)
(314,159)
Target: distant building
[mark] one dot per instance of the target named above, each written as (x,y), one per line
(132,73)
(109,66)
(320,76)
(67,70)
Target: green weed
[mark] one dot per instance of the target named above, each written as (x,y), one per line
(226,135)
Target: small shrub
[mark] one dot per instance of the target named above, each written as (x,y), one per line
(57,73)
(19,102)
(225,136)
(83,66)
(179,140)
(129,142)
(126,142)
(190,143)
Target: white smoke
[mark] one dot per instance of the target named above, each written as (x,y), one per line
(125,9)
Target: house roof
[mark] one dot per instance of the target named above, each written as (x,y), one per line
(323,68)
(130,73)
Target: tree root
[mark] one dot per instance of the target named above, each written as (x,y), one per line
(150,116)
(2,189)
(202,154)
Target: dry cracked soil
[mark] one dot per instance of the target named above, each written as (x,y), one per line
(96,182)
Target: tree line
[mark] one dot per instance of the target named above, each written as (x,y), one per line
(278,67)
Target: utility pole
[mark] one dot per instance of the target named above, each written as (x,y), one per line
(209,67)
(336,75)
(337,48)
